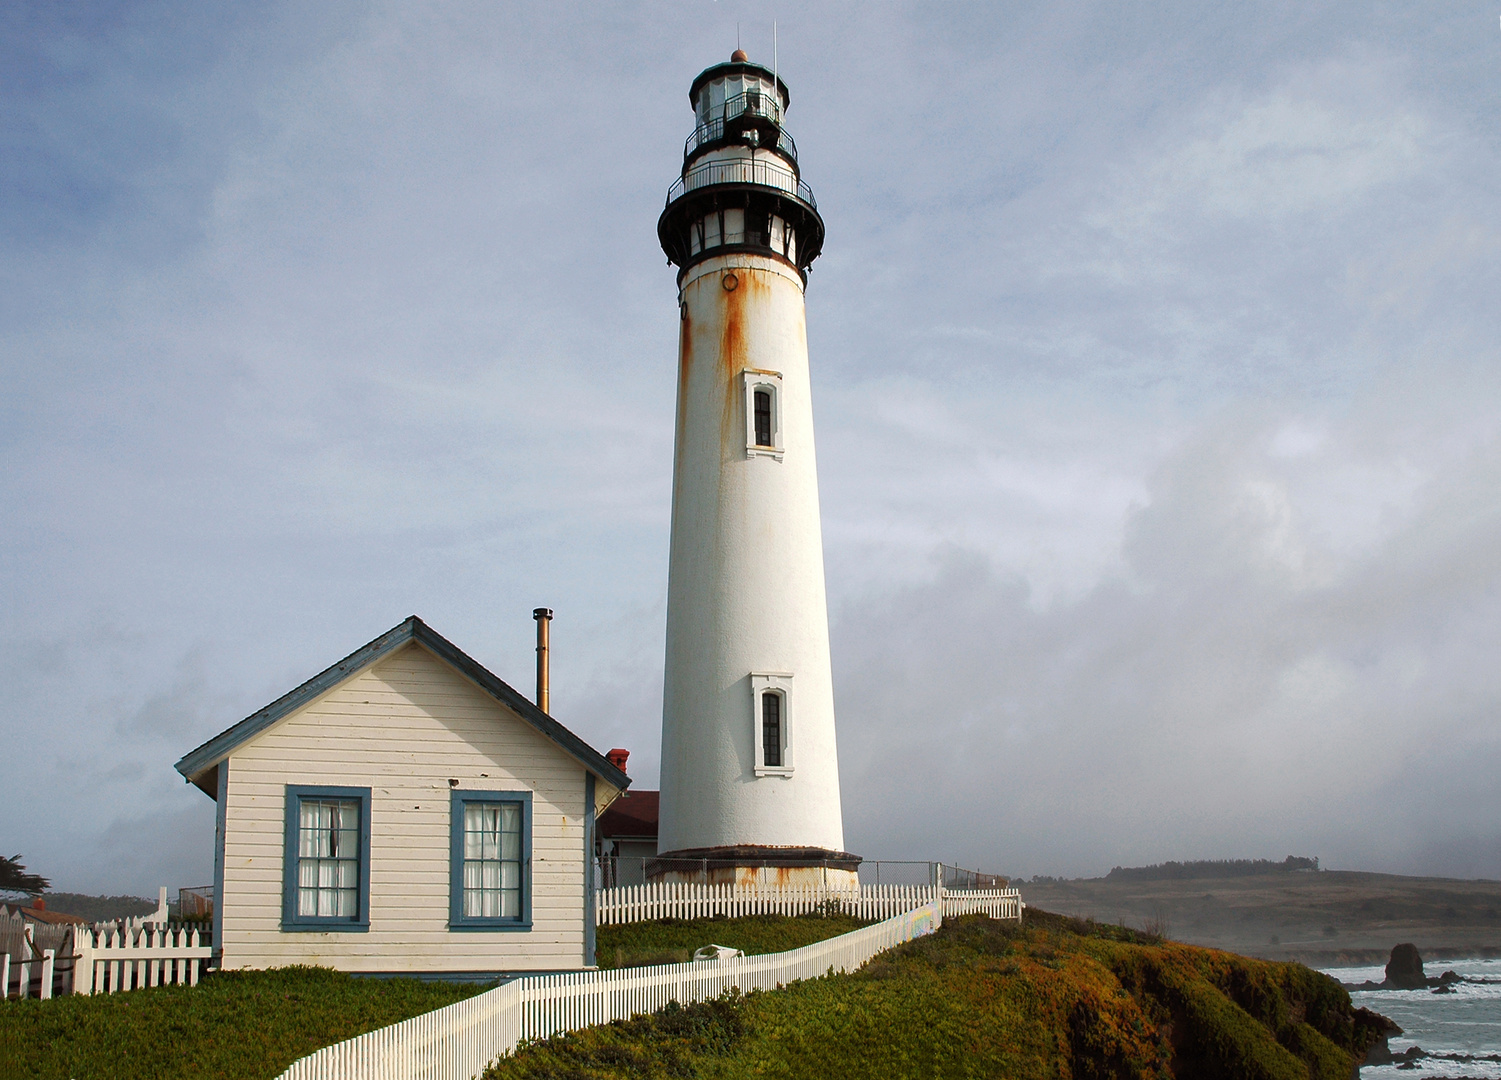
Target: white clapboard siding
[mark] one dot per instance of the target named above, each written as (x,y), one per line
(458,1041)
(110,957)
(688,900)
(404,727)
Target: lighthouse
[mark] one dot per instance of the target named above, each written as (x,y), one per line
(750,775)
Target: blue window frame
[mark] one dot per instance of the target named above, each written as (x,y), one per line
(326,859)
(490,860)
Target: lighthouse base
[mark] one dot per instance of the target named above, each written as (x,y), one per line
(758,865)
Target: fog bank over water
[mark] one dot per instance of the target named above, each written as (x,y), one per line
(1156,374)
(1241,681)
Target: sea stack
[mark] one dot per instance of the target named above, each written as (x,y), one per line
(1404,971)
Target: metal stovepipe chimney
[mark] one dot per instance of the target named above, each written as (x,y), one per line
(544,690)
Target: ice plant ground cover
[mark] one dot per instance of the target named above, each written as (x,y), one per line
(237,1025)
(251,1025)
(672,941)
(1053,998)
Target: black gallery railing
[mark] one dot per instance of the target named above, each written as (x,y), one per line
(746,171)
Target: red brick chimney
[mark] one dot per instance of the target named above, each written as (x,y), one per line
(618,758)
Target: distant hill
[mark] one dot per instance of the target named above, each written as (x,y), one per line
(1210,868)
(1327,918)
(98,908)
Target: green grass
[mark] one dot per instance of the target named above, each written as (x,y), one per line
(1053,999)
(672,941)
(233,1025)
(253,1024)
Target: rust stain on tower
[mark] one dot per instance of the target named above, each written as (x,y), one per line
(731,354)
(732,338)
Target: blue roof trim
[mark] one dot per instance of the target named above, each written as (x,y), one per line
(204,757)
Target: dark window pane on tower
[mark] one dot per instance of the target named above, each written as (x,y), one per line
(763,418)
(771,729)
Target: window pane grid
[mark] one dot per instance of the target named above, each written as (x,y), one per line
(328,858)
(771,729)
(492,860)
(763,417)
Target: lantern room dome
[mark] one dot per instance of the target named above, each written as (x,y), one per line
(747,75)
(741,162)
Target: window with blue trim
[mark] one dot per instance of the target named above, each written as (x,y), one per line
(490,860)
(326,859)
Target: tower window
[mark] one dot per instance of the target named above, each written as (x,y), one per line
(763,417)
(763,413)
(771,726)
(771,729)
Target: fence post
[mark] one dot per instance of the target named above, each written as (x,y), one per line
(83,963)
(937,895)
(49,964)
(27,952)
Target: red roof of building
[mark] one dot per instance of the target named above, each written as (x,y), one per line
(42,915)
(633,816)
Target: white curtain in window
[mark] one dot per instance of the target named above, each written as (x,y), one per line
(328,850)
(492,860)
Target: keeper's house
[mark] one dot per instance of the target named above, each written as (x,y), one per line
(404,812)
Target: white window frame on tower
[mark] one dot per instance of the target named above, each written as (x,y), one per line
(779,683)
(770,381)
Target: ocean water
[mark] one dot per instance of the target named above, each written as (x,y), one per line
(1460,1031)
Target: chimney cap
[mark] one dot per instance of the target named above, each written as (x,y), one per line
(542,613)
(739,57)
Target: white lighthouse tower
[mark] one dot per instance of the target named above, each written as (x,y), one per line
(750,775)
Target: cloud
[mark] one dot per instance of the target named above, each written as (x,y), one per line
(1240,684)
(1154,366)
(180,709)
(1320,141)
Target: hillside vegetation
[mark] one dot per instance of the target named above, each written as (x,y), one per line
(1053,998)
(672,941)
(235,1025)
(98,908)
(250,1025)
(1211,868)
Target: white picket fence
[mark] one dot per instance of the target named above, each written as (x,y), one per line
(997,903)
(458,1041)
(688,900)
(103,958)
(111,957)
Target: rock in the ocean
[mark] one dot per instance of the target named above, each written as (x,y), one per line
(1404,971)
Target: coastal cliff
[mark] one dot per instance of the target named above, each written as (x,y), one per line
(1054,997)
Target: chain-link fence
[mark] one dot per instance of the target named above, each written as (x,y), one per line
(615,870)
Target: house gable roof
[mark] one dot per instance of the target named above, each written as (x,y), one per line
(198,765)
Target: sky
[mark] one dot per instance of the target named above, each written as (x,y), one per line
(1157,369)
